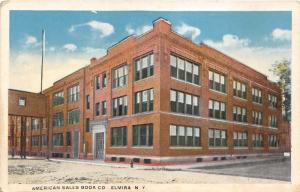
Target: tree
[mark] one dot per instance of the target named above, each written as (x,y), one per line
(282,69)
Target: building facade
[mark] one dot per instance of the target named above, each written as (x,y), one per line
(160,98)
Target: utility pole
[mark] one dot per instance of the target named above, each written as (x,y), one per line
(43,56)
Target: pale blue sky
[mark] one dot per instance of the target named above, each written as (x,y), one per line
(257,39)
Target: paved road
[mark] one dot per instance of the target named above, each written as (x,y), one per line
(279,170)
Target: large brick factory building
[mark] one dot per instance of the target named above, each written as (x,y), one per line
(155,98)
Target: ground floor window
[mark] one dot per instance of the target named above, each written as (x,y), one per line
(68,138)
(58,139)
(184,136)
(257,140)
(44,140)
(273,141)
(217,138)
(118,136)
(143,135)
(240,139)
(35,141)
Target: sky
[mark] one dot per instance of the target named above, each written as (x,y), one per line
(257,39)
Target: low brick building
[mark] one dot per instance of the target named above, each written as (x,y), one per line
(160,98)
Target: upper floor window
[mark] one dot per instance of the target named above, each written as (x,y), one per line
(184,103)
(239,89)
(240,139)
(68,138)
(217,109)
(272,100)
(35,124)
(256,95)
(22,101)
(88,102)
(185,70)
(97,108)
(97,82)
(273,121)
(104,107)
(74,93)
(217,81)
(185,136)
(73,116)
(257,140)
(143,135)
(257,117)
(104,80)
(120,106)
(144,67)
(144,101)
(217,138)
(120,76)
(58,119)
(118,136)
(87,124)
(273,141)
(58,98)
(239,114)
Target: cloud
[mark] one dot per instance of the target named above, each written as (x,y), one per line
(52,48)
(188,31)
(139,30)
(70,47)
(258,57)
(30,40)
(281,34)
(94,52)
(104,29)
(229,41)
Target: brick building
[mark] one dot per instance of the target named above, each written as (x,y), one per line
(159,98)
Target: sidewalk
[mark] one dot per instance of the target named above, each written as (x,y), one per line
(176,167)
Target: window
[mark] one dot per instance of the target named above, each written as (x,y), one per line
(240,139)
(88,102)
(185,136)
(58,119)
(120,106)
(257,140)
(104,80)
(143,135)
(120,76)
(272,100)
(74,93)
(272,121)
(22,101)
(87,125)
(104,107)
(119,136)
(144,101)
(58,98)
(144,67)
(217,81)
(239,89)
(184,103)
(97,82)
(58,139)
(217,138)
(257,117)
(273,141)
(256,95)
(35,124)
(239,114)
(97,108)
(217,109)
(73,116)
(44,140)
(35,141)
(185,70)
(68,138)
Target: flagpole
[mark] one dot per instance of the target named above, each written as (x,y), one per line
(43,56)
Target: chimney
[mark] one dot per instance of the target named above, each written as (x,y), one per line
(162,25)
(93,60)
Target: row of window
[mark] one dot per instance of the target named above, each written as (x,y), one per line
(35,140)
(98,81)
(58,139)
(73,118)
(32,123)
(184,103)
(186,136)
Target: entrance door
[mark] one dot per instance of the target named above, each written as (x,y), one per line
(99,146)
(76,144)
